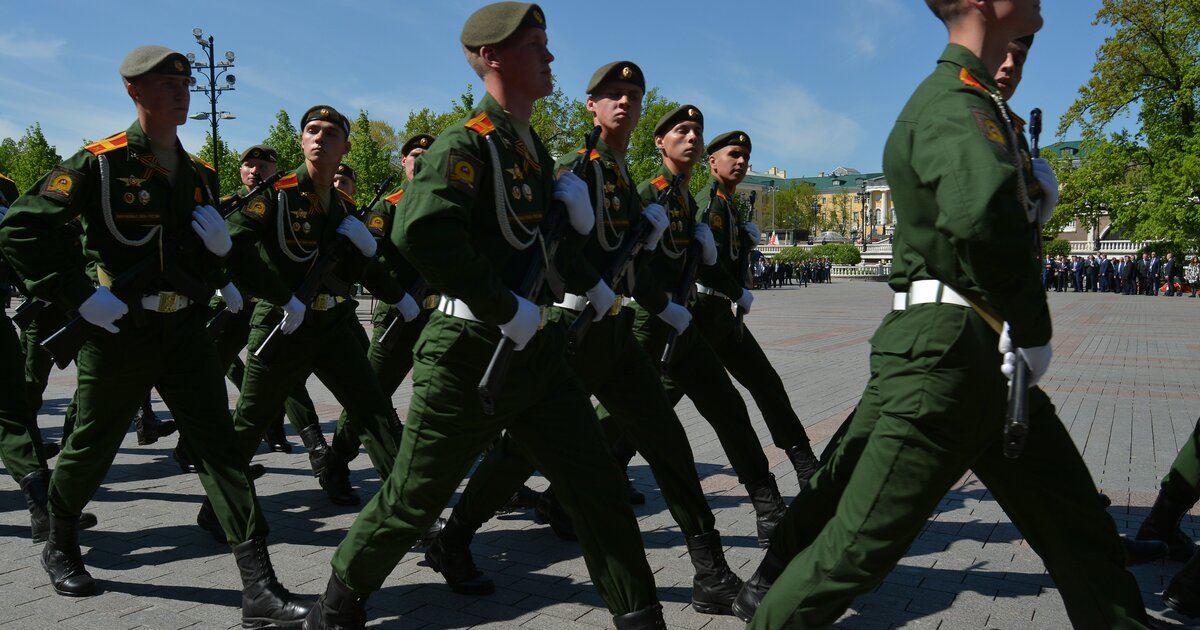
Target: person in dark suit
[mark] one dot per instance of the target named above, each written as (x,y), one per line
(1170,270)
(1076,274)
(1048,272)
(1093,274)
(1143,275)
(1153,274)
(1106,271)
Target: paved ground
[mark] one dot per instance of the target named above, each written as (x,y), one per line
(1124,380)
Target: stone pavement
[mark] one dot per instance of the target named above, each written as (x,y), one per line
(1123,379)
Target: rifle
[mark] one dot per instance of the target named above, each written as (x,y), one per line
(687,284)
(540,271)
(744,267)
(28,311)
(321,274)
(1016,417)
(621,266)
(391,334)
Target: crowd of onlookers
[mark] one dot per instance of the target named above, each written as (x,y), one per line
(770,274)
(1127,275)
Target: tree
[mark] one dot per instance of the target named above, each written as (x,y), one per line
(792,206)
(839,253)
(228,178)
(425,120)
(285,139)
(8,155)
(35,157)
(390,141)
(560,122)
(370,159)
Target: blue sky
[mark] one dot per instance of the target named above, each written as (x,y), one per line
(816,84)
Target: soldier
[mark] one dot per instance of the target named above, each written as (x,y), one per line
(967,283)
(470,224)
(720,293)
(142,200)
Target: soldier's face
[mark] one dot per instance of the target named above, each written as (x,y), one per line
(410,162)
(163,97)
(683,143)
(254,170)
(345,184)
(1008,77)
(730,164)
(324,143)
(524,62)
(616,105)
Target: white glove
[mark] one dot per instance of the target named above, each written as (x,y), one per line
(408,307)
(1043,209)
(708,252)
(573,192)
(656,216)
(353,229)
(678,317)
(1037,358)
(233,298)
(602,298)
(209,225)
(746,300)
(524,324)
(293,316)
(753,232)
(103,308)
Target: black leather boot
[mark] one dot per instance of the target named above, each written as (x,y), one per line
(804,461)
(36,486)
(768,505)
(755,589)
(186,465)
(450,555)
(207,520)
(1163,524)
(715,585)
(1183,592)
(276,437)
(338,609)
(317,447)
(1143,551)
(265,602)
(649,618)
(525,498)
(430,534)
(335,479)
(550,512)
(148,426)
(63,561)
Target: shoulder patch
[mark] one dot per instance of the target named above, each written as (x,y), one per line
(287,181)
(970,81)
(376,223)
(989,128)
(62,183)
(463,171)
(660,182)
(395,197)
(110,143)
(256,209)
(481,124)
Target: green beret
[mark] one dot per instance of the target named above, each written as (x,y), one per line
(676,116)
(347,170)
(419,141)
(729,138)
(495,22)
(326,113)
(154,59)
(260,152)
(626,71)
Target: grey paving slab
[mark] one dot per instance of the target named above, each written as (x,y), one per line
(1124,381)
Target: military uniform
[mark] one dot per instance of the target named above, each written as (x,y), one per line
(934,405)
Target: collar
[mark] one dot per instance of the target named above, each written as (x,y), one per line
(964,58)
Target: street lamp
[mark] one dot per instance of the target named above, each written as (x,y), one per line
(215,69)
(812,226)
(863,196)
(772,190)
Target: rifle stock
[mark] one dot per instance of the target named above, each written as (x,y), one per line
(391,334)
(687,284)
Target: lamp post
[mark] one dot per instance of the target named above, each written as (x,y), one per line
(814,207)
(863,195)
(772,190)
(215,70)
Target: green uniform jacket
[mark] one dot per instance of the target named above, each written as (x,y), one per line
(121,195)
(726,228)
(667,260)
(398,267)
(8,195)
(954,166)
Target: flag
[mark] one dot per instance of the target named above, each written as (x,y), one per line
(773,240)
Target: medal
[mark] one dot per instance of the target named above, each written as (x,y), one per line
(516,193)
(528,191)
(295,227)
(307,227)
(144,196)
(616,203)
(128,197)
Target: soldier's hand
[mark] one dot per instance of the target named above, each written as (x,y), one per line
(746,300)
(408,307)
(678,317)
(524,324)
(208,224)
(708,251)
(573,192)
(752,231)
(353,229)
(656,216)
(602,298)
(1037,359)
(103,308)
(1043,209)
(293,316)
(233,298)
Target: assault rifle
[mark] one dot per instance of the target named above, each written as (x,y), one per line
(27,311)
(743,266)
(687,284)
(391,334)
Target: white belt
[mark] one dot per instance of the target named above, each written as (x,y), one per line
(928,292)
(325,302)
(165,302)
(457,308)
(572,302)
(700,288)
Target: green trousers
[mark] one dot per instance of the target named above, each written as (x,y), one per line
(20,440)
(933,409)
(697,372)
(613,368)
(1182,481)
(543,406)
(38,361)
(328,344)
(172,354)
(713,316)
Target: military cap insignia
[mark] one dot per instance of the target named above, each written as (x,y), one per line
(463,171)
(626,72)
(742,138)
(324,111)
(537,15)
(990,128)
(178,65)
(61,183)
(424,142)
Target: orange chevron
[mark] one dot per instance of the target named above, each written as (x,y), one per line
(291,180)
(481,124)
(395,197)
(110,143)
(722,195)
(206,164)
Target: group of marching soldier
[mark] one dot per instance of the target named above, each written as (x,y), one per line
(516,288)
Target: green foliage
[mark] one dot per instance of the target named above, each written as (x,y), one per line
(644,158)
(1057,247)
(285,139)
(792,255)
(369,158)
(35,157)
(425,120)
(839,253)
(791,207)
(561,123)
(227,165)
(8,155)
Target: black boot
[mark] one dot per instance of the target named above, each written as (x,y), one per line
(148,427)
(550,512)
(338,609)
(755,589)
(207,520)
(1163,524)
(525,498)
(335,479)
(715,586)
(1143,551)
(430,534)
(650,618)
(1183,592)
(276,438)
(804,461)
(317,447)
(450,555)
(63,561)
(186,465)
(265,602)
(768,505)
(36,486)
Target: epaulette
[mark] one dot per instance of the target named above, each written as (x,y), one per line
(721,195)
(964,75)
(110,143)
(6,178)
(660,182)
(345,196)
(481,124)
(395,197)
(199,160)
(287,181)
(595,154)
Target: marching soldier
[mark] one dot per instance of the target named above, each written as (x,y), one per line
(144,204)
(470,224)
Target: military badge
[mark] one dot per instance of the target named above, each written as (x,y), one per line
(626,72)
(616,203)
(131,181)
(516,193)
(256,209)
(127,198)
(463,171)
(527,191)
(144,197)
(295,227)
(60,183)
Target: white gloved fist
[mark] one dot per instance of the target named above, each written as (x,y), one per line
(752,231)
(210,227)
(656,216)
(233,298)
(524,324)
(746,300)
(103,308)
(408,307)
(678,317)
(601,298)
(1036,358)
(353,229)
(573,192)
(1043,209)
(708,251)
(293,316)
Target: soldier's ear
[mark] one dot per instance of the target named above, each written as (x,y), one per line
(131,90)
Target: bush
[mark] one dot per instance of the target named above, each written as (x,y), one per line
(1058,247)
(839,253)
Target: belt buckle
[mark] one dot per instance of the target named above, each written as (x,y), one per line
(167,302)
(431,301)
(615,309)
(542,313)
